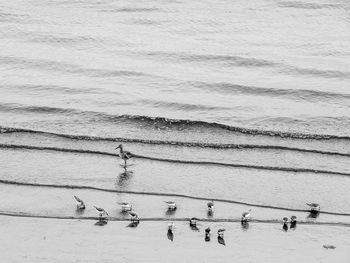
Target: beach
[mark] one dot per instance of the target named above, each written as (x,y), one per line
(241,103)
(57,240)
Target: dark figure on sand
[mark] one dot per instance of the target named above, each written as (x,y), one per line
(193,223)
(134,224)
(314,210)
(210,208)
(207,234)
(245,225)
(293,222)
(221,239)
(285,224)
(170,233)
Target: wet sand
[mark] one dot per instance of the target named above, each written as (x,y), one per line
(260,187)
(56,202)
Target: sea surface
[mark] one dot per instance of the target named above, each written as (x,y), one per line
(246,103)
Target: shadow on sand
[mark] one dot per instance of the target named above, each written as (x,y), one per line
(101,222)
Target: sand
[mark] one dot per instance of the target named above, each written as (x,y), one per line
(60,240)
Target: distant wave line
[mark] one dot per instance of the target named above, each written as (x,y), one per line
(248,166)
(85,187)
(306,94)
(246,62)
(166,122)
(257,167)
(161,219)
(57,66)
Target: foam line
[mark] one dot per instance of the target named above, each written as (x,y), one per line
(161,219)
(257,167)
(83,187)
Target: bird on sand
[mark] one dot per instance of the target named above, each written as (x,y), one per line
(221,232)
(293,221)
(207,231)
(171,205)
(101,212)
(314,207)
(80,203)
(124,154)
(207,234)
(210,205)
(126,207)
(246,216)
(134,216)
(193,221)
(170,233)
(285,223)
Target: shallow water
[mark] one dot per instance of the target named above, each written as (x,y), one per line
(255,186)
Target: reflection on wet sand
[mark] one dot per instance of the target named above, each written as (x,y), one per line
(170,235)
(133,224)
(245,226)
(221,241)
(101,222)
(124,178)
(210,213)
(313,214)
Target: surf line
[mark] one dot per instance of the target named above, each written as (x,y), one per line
(257,167)
(167,121)
(247,166)
(161,219)
(85,187)
(176,143)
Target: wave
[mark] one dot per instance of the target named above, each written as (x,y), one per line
(50,88)
(247,62)
(318,72)
(248,166)
(305,5)
(182,106)
(227,59)
(160,219)
(309,95)
(165,122)
(84,187)
(13,17)
(258,167)
(52,39)
(69,68)
(131,10)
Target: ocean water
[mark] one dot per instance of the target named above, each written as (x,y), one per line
(242,102)
(87,67)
